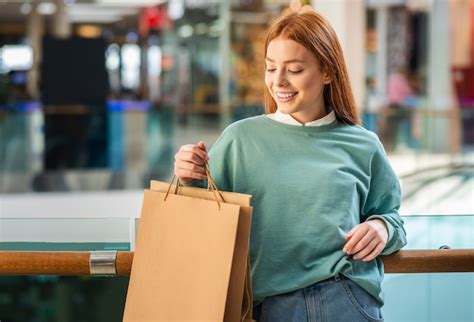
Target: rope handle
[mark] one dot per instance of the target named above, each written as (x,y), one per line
(211,185)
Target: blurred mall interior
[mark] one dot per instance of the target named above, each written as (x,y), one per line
(96,96)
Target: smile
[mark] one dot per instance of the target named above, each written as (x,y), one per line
(285,95)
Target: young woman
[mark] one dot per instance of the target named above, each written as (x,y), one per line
(324,194)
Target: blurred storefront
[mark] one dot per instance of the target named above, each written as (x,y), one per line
(104,85)
(419,54)
(117,87)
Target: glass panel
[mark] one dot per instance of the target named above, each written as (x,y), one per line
(424,232)
(432,232)
(61,234)
(426,297)
(60,299)
(429,297)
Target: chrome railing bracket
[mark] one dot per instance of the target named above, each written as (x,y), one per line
(102,262)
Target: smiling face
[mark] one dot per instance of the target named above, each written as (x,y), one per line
(294,79)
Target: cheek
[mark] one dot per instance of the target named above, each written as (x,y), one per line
(268,82)
(312,87)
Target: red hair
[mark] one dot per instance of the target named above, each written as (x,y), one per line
(312,31)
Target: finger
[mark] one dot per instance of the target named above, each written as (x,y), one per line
(366,239)
(357,235)
(191,167)
(366,250)
(202,145)
(191,157)
(195,149)
(376,252)
(351,232)
(188,174)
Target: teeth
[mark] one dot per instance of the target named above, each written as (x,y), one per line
(285,95)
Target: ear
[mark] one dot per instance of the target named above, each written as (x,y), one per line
(327,78)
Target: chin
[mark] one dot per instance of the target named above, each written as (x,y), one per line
(285,110)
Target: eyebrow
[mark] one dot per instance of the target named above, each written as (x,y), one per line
(287,61)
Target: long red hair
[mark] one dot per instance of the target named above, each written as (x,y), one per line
(315,33)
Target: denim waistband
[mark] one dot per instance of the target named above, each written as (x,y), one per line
(336,278)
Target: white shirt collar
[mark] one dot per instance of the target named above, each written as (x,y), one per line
(288,119)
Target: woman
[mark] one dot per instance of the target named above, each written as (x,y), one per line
(325,197)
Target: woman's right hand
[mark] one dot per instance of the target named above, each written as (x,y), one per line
(190,162)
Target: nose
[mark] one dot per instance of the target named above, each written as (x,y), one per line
(281,79)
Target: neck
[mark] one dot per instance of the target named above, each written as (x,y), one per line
(306,118)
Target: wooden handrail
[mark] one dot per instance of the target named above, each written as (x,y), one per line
(77,263)
(44,263)
(430,261)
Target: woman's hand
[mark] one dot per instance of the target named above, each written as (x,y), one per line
(366,240)
(190,162)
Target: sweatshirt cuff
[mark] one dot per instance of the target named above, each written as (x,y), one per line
(389,226)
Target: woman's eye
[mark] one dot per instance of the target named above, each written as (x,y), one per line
(271,70)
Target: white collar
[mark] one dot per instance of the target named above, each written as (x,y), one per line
(288,119)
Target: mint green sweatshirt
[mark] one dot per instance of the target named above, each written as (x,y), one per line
(310,186)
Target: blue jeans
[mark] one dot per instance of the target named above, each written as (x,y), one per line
(337,299)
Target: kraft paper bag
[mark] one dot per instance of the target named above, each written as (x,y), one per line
(191,257)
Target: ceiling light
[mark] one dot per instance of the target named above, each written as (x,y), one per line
(185,31)
(17,57)
(201,28)
(176,9)
(46,8)
(89,31)
(25,8)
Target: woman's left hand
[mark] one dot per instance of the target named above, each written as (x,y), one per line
(366,240)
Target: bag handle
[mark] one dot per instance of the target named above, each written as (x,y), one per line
(211,185)
(247,305)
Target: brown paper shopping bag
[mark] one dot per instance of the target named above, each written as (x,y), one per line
(191,257)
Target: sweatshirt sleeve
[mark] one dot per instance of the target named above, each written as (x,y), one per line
(221,160)
(383,200)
